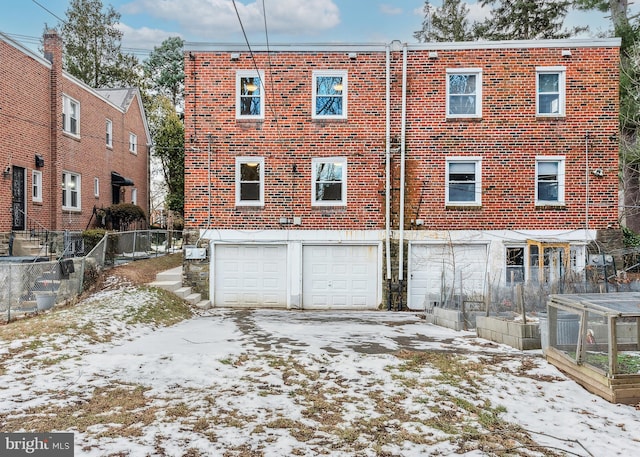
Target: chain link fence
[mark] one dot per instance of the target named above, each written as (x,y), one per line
(33,285)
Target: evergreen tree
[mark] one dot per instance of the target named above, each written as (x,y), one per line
(525,20)
(167,131)
(92,46)
(164,69)
(447,23)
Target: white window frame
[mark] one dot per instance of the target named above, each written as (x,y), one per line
(477,72)
(342,161)
(36,186)
(560,160)
(477,162)
(109,133)
(96,187)
(249,160)
(67,104)
(561,72)
(314,93)
(240,74)
(133,143)
(71,186)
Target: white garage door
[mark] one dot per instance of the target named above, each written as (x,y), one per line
(250,275)
(438,272)
(340,277)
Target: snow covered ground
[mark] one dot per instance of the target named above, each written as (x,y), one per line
(283,383)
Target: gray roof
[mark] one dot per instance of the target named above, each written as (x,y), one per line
(119,97)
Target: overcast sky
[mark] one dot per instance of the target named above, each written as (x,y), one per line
(146,23)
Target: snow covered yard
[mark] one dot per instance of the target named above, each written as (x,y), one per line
(132,371)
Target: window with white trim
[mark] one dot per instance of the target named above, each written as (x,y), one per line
(550,91)
(96,187)
(550,175)
(70,191)
(133,143)
(463,184)
(249,181)
(249,94)
(464,93)
(329,181)
(36,186)
(70,115)
(109,133)
(329,99)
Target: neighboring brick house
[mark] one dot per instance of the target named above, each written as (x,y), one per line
(65,148)
(324,176)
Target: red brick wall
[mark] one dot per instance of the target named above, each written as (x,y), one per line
(25,109)
(508,138)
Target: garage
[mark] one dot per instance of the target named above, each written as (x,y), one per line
(439,272)
(250,275)
(340,277)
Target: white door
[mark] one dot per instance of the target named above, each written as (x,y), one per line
(440,273)
(250,275)
(340,277)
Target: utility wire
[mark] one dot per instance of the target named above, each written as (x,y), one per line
(49,11)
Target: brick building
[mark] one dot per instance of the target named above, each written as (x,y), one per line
(65,148)
(326,176)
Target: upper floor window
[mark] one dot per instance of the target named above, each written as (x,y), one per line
(96,187)
(329,94)
(249,95)
(133,143)
(70,115)
(109,133)
(36,186)
(550,180)
(249,181)
(463,185)
(550,91)
(329,181)
(70,191)
(464,92)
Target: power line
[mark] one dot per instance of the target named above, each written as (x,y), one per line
(49,11)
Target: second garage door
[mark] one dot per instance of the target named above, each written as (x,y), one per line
(250,275)
(340,277)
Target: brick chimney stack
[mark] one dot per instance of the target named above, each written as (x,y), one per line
(53,53)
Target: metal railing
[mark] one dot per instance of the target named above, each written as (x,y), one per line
(36,285)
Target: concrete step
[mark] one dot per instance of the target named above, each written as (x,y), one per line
(171,286)
(175,274)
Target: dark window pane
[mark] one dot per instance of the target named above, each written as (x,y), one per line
(549,104)
(465,104)
(459,192)
(329,106)
(548,191)
(250,191)
(329,191)
(329,85)
(250,172)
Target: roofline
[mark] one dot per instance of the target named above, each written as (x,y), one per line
(378,47)
(28,52)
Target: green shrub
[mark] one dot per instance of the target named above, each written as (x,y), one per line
(92,238)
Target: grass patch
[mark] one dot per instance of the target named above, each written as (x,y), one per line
(165,310)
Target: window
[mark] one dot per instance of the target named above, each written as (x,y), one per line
(329,94)
(70,191)
(249,99)
(96,187)
(36,186)
(463,186)
(134,196)
(329,182)
(515,265)
(109,133)
(464,92)
(249,181)
(550,89)
(70,115)
(550,180)
(133,143)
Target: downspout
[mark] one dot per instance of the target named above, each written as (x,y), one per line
(586,201)
(402,172)
(387,192)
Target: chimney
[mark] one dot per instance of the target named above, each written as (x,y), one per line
(53,53)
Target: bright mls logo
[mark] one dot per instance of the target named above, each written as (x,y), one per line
(36,444)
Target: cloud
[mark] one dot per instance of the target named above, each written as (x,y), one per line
(390,10)
(144,37)
(216,19)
